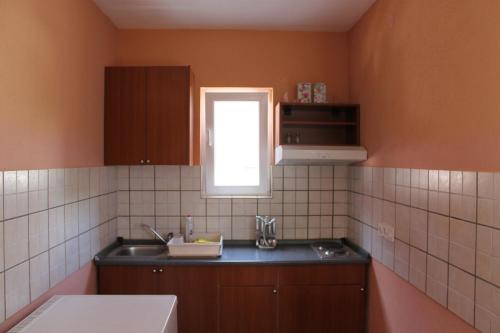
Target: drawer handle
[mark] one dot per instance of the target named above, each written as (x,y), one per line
(362,289)
(275,291)
(160,270)
(154,270)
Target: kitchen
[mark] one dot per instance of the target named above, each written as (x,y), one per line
(372,208)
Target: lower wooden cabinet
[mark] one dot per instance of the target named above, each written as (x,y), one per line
(247,309)
(194,286)
(322,298)
(321,309)
(248,299)
(196,290)
(240,298)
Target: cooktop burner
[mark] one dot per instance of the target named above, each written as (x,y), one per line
(330,250)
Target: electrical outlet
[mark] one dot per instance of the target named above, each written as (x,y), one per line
(386,231)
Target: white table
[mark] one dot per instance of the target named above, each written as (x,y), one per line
(103,314)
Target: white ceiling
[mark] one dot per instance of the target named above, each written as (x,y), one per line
(293,15)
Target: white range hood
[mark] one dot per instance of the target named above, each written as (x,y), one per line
(310,155)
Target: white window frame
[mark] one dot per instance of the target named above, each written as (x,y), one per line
(265,98)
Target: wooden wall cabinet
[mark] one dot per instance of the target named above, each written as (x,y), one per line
(148,116)
(244,299)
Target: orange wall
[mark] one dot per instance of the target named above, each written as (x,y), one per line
(82,282)
(244,58)
(51,83)
(396,306)
(427,76)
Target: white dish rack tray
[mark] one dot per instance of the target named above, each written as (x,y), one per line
(211,248)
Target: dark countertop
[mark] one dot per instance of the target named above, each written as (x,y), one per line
(240,252)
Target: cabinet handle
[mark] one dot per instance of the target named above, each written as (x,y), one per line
(142,161)
(154,270)
(275,291)
(160,270)
(148,161)
(362,289)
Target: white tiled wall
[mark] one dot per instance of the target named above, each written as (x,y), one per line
(447,223)
(51,223)
(447,234)
(309,202)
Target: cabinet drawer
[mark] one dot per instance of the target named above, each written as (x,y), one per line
(248,276)
(322,275)
(127,280)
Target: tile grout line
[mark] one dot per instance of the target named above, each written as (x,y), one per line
(29,249)
(475,250)
(3,253)
(48,204)
(449,242)
(427,232)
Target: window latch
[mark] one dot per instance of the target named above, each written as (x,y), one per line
(210,137)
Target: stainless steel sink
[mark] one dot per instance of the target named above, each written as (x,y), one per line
(139,251)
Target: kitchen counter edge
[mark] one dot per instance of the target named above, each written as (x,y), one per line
(246,249)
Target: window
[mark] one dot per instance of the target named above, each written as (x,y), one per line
(236,133)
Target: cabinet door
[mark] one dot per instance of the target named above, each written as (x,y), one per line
(127,280)
(125,116)
(168,115)
(323,274)
(254,276)
(196,291)
(247,309)
(321,308)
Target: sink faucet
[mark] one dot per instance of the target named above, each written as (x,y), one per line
(265,232)
(157,234)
